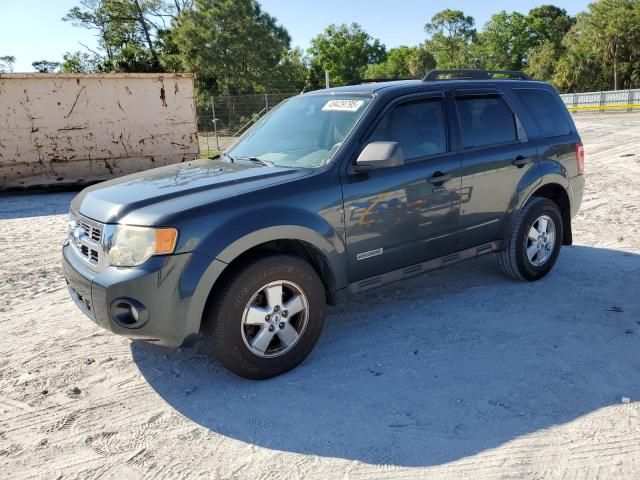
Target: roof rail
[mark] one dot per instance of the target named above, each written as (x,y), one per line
(475,75)
(376,80)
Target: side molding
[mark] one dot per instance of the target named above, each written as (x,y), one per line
(420,268)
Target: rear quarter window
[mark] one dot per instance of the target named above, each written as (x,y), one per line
(546,111)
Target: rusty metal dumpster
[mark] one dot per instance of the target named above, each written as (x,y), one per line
(68,129)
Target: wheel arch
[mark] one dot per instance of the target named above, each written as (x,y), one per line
(558,194)
(289,246)
(301,242)
(556,186)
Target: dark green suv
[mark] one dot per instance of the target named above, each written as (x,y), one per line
(332,193)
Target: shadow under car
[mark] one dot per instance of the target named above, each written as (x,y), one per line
(435,369)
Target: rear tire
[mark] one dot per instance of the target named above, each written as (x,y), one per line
(533,245)
(267,317)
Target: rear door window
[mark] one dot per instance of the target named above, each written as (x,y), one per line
(545,110)
(418,126)
(486,121)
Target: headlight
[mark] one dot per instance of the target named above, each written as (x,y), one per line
(71,222)
(128,246)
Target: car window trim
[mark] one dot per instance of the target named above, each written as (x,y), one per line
(410,98)
(348,138)
(561,106)
(521,134)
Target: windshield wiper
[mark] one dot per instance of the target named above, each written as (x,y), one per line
(266,163)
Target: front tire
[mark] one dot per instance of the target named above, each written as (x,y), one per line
(267,317)
(533,245)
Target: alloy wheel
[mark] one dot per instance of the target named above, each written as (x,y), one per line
(541,240)
(275,319)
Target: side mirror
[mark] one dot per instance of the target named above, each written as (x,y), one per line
(380,155)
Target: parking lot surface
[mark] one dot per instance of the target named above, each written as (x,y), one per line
(462,373)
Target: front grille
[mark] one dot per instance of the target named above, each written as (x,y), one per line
(92,231)
(85,237)
(90,253)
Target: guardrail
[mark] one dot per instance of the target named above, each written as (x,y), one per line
(599,102)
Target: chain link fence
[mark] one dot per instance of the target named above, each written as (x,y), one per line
(223,118)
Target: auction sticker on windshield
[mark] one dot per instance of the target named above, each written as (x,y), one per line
(343,105)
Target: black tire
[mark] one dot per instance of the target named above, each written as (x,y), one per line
(224,335)
(513,259)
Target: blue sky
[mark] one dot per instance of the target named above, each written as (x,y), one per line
(33,29)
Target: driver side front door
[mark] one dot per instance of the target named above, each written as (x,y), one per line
(398,217)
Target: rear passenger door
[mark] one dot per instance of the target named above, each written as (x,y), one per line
(496,158)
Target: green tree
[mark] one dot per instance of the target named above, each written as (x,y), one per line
(346,52)
(182,5)
(93,15)
(78,62)
(580,68)
(171,59)
(542,61)
(45,66)
(232,44)
(602,50)
(128,31)
(505,41)
(451,36)
(548,26)
(613,28)
(131,58)
(549,23)
(403,62)
(292,73)
(6,63)
(138,11)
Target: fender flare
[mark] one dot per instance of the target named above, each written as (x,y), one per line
(206,284)
(549,179)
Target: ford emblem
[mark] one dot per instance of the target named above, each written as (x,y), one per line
(77,234)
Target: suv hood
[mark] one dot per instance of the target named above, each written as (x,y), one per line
(145,197)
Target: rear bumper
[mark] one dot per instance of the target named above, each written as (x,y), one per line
(576,186)
(165,286)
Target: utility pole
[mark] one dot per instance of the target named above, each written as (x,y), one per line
(326,79)
(215,123)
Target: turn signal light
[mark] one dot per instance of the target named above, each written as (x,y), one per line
(165,240)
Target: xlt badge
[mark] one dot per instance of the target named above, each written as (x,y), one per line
(370,253)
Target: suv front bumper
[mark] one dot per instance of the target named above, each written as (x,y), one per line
(164,286)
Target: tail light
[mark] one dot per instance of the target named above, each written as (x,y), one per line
(580,158)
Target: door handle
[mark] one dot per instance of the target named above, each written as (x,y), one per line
(439,178)
(521,161)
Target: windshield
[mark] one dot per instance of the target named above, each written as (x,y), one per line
(305,131)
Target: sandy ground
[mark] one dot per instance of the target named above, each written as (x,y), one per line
(462,373)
